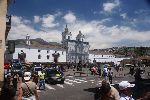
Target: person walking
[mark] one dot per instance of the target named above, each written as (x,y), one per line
(35,77)
(138,84)
(105,72)
(93,70)
(41,80)
(131,70)
(28,89)
(15,80)
(99,70)
(110,75)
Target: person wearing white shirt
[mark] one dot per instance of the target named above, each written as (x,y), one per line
(105,72)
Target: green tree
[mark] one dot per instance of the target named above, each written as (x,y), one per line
(140,51)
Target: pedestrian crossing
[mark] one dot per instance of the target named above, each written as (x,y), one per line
(71,81)
(49,87)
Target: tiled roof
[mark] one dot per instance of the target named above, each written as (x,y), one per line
(50,46)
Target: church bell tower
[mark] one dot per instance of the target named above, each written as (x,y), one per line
(66,35)
(28,40)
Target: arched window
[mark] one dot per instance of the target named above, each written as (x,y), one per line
(39,56)
(68,37)
(47,56)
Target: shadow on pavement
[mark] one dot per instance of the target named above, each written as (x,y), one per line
(91,89)
(96,92)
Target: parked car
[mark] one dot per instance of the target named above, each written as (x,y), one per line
(53,76)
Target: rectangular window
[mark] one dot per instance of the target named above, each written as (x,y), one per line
(68,37)
(47,56)
(39,56)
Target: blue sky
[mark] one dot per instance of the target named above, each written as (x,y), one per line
(105,23)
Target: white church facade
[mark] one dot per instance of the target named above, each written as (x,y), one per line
(76,50)
(40,53)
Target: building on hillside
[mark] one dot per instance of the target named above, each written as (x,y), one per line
(76,50)
(105,57)
(40,53)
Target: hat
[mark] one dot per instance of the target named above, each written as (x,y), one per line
(125,84)
(27,76)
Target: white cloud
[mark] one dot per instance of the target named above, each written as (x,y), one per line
(19,30)
(96,33)
(57,14)
(48,21)
(37,19)
(16,20)
(19,20)
(109,6)
(101,36)
(70,17)
(123,15)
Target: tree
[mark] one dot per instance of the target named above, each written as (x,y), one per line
(140,51)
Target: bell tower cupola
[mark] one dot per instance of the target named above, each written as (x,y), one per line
(80,37)
(28,39)
(66,35)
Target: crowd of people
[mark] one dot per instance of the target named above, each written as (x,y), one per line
(25,87)
(105,72)
(123,91)
(22,88)
(29,84)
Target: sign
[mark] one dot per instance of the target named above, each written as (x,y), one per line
(0,44)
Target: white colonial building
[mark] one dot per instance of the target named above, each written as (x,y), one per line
(105,57)
(40,53)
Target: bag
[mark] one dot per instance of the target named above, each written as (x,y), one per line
(28,93)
